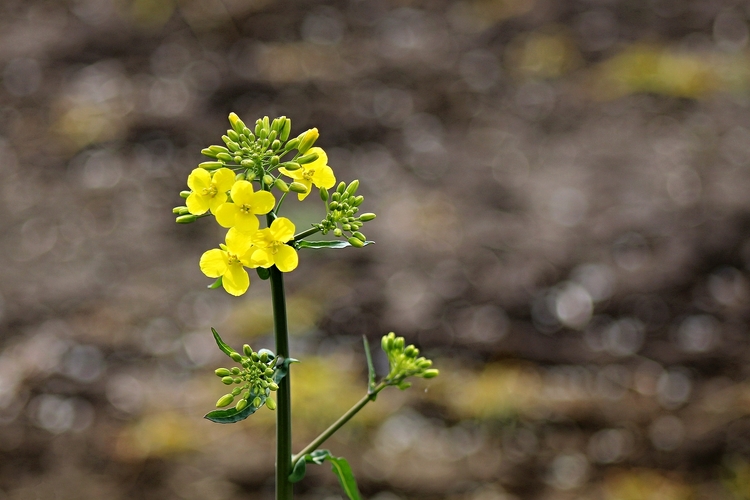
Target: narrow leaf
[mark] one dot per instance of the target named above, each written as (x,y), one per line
(282,368)
(231,415)
(215,284)
(223,346)
(340,467)
(370,366)
(299,471)
(327,244)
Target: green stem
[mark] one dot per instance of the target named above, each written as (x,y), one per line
(284,405)
(307,232)
(370,396)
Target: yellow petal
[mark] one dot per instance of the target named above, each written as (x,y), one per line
(324,177)
(238,242)
(261,257)
(199,179)
(223,179)
(322,158)
(242,193)
(235,280)
(286,259)
(262,238)
(262,202)
(282,229)
(247,223)
(196,204)
(226,214)
(294,174)
(213,263)
(308,185)
(216,201)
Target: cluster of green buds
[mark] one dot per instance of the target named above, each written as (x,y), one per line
(253,380)
(404,361)
(341,208)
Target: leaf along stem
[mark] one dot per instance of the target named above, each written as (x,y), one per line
(370,396)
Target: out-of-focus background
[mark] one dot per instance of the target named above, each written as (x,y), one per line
(563,200)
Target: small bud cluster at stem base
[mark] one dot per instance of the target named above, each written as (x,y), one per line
(254,379)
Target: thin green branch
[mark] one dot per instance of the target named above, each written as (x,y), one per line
(307,232)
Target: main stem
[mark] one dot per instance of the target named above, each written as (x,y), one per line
(284,404)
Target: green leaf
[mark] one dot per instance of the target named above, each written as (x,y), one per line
(340,467)
(263,273)
(216,284)
(282,368)
(327,244)
(371,375)
(231,415)
(223,346)
(299,471)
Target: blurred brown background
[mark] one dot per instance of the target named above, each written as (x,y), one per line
(563,214)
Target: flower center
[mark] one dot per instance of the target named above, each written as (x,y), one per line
(232,259)
(246,209)
(210,191)
(308,175)
(275,245)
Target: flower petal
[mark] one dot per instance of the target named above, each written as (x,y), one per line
(247,223)
(286,259)
(324,177)
(226,214)
(261,257)
(196,204)
(216,201)
(238,242)
(223,179)
(235,280)
(282,229)
(322,158)
(199,179)
(213,263)
(308,185)
(294,174)
(262,202)
(242,193)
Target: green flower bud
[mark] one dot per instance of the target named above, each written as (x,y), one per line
(258,126)
(367,217)
(308,158)
(384,343)
(276,145)
(218,149)
(208,152)
(269,372)
(283,186)
(291,144)
(186,219)
(286,129)
(236,391)
(236,356)
(324,194)
(248,133)
(225,157)
(178,210)
(263,357)
(227,380)
(268,180)
(337,232)
(404,385)
(225,400)
(358,200)
(341,187)
(272,136)
(276,124)
(274,160)
(353,186)
(359,236)
(431,373)
(236,123)
(334,204)
(185,194)
(298,187)
(411,351)
(250,175)
(355,242)
(233,146)
(346,227)
(222,372)
(234,136)
(237,380)
(247,163)
(398,344)
(256,401)
(307,139)
(336,197)
(291,165)
(270,403)
(424,363)
(235,370)
(266,124)
(226,139)
(273,386)
(237,159)
(241,404)
(211,165)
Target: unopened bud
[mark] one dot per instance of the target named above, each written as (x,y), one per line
(180,210)
(211,165)
(263,357)
(226,139)
(218,149)
(235,136)
(306,140)
(359,236)
(353,186)
(258,126)
(270,403)
(268,180)
(290,165)
(247,350)
(185,194)
(298,187)
(398,343)
(225,400)
(273,386)
(358,200)
(208,152)
(367,217)
(233,146)
(269,372)
(222,372)
(308,158)
(236,356)
(227,380)
(256,401)
(341,187)
(323,194)
(411,351)
(337,232)
(431,373)
(236,391)
(283,186)
(424,363)
(291,144)
(286,129)
(236,123)
(235,371)
(346,227)
(272,136)
(241,405)
(186,219)
(224,157)
(276,145)
(355,242)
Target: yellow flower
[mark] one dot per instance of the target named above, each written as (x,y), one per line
(246,204)
(317,172)
(270,248)
(229,262)
(208,192)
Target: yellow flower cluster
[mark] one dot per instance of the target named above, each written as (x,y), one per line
(224,188)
